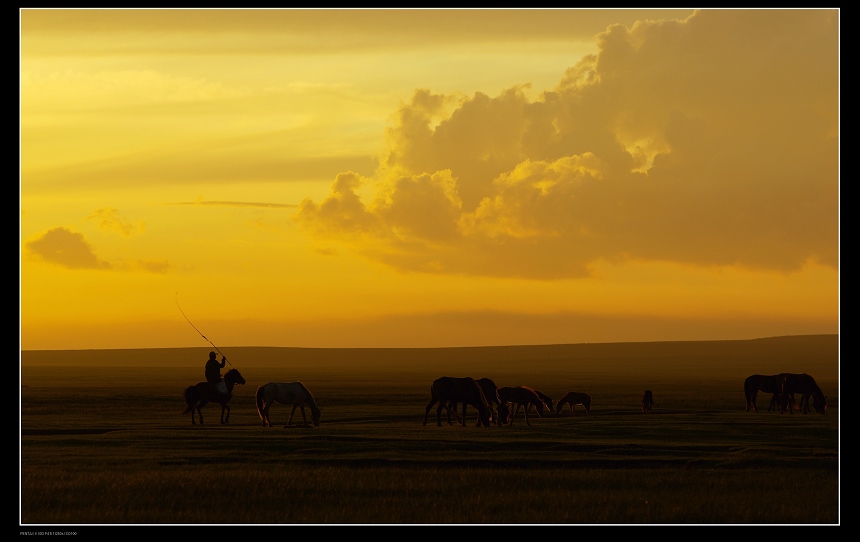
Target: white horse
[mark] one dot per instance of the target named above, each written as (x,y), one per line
(286,393)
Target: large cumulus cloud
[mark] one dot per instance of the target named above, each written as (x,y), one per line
(709,141)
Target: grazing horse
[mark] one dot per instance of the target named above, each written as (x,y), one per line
(286,393)
(498,412)
(572,399)
(521,396)
(449,390)
(197,396)
(768,384)
(647,401)
(807,387)
(547,400)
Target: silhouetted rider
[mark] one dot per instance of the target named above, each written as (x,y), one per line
(213,372)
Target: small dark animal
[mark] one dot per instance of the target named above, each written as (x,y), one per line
(449,390)
(647,401)
(572,399)
(198,395)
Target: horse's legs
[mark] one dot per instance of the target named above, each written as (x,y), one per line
(427,410)
(526,410)
(293,411)
(225,419)
(303,415)
(264,414)
(804,403)
(200,413)
(463,421)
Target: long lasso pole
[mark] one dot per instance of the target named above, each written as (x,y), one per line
(197,330)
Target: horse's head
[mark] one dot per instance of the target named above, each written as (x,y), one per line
(819,403)
(539,407)
(234,376)
(315,416)
(586,402)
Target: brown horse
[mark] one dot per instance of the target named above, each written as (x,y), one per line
(572,399)
(197,396)
(449,390)
(806,386)
(769,384)
(647,401)
(286,393)
(521,396)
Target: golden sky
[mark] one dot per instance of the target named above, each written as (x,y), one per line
(395,178)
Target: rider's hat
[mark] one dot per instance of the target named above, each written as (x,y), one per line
(212,354)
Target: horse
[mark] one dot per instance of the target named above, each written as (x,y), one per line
(572,399)
(197,396)
(521,396)
(768,384)
(647,401)
(547,400)
(286,393)
(449,390)
(498,411)
(805,385)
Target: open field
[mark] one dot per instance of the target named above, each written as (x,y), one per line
(103,440)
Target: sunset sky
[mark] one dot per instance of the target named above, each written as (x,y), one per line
(399,178)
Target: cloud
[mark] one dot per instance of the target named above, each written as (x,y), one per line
(109,219)
(706,141)
(67,248)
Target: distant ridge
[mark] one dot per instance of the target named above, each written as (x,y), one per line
(791,353)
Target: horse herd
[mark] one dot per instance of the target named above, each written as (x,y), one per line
(494,405)
(783,388)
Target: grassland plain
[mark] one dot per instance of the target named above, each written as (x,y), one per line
(104,442)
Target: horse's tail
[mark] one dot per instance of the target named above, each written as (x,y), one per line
(190,399)
(259,399)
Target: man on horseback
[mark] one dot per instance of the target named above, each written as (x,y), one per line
(213,372)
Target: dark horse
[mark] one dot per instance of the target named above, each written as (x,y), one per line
(521,396)
(766,383)
(498,411)
(572,399)
(448,390)
(547,400)
(806,386)
(647,401)
(197,396)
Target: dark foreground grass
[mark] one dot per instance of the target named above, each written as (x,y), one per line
(121,453)
(339,494)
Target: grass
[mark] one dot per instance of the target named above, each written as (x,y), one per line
(115,451)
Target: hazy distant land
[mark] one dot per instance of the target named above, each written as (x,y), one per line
(814,354)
